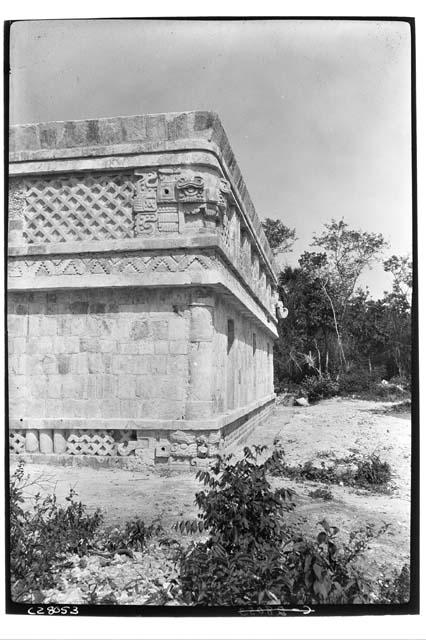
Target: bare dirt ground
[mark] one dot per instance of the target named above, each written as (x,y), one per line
(333,428)
(337,428)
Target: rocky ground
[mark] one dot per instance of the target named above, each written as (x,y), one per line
(320,433)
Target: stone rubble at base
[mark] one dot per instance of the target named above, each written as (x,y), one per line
(142,291)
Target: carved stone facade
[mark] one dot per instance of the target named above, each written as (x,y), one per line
(128,265)
(98,263)
(71,208)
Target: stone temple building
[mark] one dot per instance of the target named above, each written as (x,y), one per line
(142,304)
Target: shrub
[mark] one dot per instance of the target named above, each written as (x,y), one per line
(372,471)
(327,574)
(355,381)
(240,507)
(366,471)
(134,536)
(42,534)
(322,494)
(243,517)
(369,386)
(252,556)
(319,387)
(396,589)
(388,392)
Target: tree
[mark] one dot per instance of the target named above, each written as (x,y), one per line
(308,327)
(333,325)
(397,319)
(280,237)
(366,339)
(401,267)
(346,253)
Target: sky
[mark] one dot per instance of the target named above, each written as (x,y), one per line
(317,112)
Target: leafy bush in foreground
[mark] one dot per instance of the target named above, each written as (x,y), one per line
(252,556)
(243,516)
(42,534)
(396,589)
(133,537)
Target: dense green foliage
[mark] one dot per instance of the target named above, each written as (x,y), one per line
(252,556)
(319,387)
(134,536)
(248,553)
(281,238)
(336,338)
(43,534)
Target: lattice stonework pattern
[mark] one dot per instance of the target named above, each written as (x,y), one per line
(94,443)
(84,207)
(100,442)
(17,441)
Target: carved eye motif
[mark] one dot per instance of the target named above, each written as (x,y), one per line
(191,188)
(194,183)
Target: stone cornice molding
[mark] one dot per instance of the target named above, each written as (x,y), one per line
(140,249)
(37,146)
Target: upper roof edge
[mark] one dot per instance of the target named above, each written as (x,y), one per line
(28,139)
(111,131)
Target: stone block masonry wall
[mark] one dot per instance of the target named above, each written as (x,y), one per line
(89,367)
(98,354)
(244,361)
(237,433)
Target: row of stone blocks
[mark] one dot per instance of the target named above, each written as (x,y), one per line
(73,442)
(149,448)
(103,443)
(240,431)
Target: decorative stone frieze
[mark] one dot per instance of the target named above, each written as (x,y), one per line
(132,446)
(191,188)
(70,208)
(127,262)
(17,441)
(145,203)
